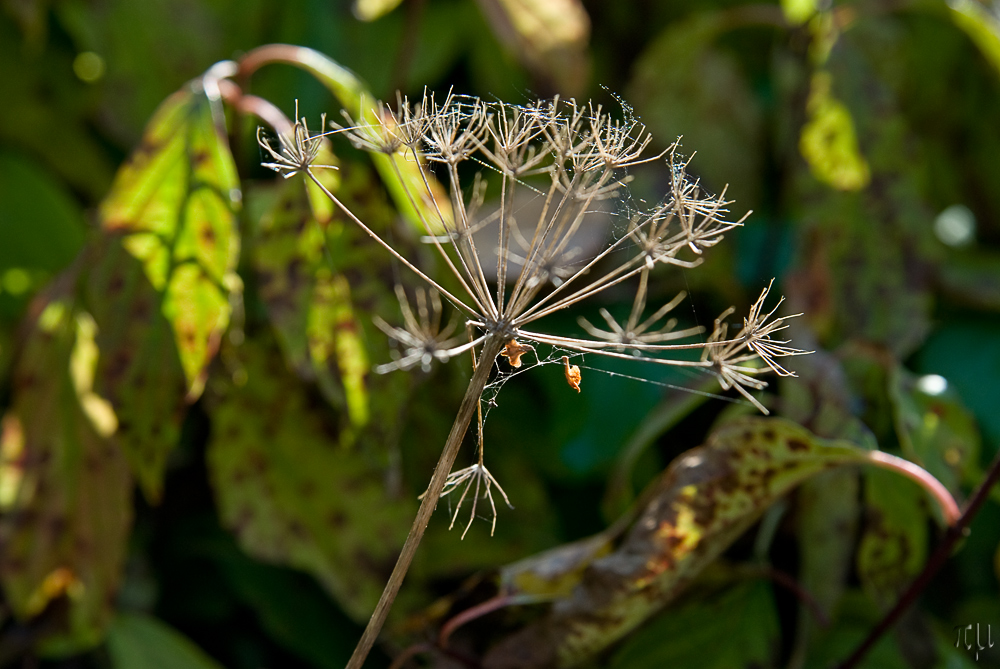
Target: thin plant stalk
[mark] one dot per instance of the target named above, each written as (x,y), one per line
(937,560)
(491,349)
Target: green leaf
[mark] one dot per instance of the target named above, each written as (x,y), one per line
(549,36)
(893,547)
(685,85)
(65,489)
(972,278)
(137,641)
(400,173)
(674,407)
(47,115)
(41,230)
(291,609)
(829,143)
(982,27)
(827,513)
(369,10)
(702,503)
(856,617)
(292,495)
(935,430)
(738,628)
(42,227)
(174,202)
(139,370)
(967,353)
(798,12)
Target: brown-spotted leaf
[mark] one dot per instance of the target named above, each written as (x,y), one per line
(554,573)
(292,494)
(174,202)
(893,547)
(306,261)
(868,255)
(703,502)
(65,488)
(139,369)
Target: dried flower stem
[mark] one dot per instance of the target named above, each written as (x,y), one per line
(491,349)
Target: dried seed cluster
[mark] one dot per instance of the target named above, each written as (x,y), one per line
(512,269)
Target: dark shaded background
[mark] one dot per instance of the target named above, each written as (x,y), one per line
(865,137)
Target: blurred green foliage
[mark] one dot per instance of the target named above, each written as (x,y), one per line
(198,468)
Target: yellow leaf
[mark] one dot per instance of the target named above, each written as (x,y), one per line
(828,141)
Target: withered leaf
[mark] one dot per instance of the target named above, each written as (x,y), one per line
(139,369)
(292,494)
(893,547)
(66,493)
(174,203)
(701,504)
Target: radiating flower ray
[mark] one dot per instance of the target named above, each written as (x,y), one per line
(421,336)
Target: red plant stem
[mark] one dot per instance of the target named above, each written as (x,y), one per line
(267,54)
(491,348)
(259,107)
(934,564)
(414,650)
(479,610)
(947,504)
(786,581)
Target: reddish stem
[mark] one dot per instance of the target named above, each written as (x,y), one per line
(934,564)
(788,582)
(947,504)
(263,109)
(478,611)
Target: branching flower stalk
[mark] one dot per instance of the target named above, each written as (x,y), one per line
(510,269)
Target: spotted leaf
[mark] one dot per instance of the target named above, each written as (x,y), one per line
(893,547)
(292,495)
(66,490)
(139,369)
(174,204)
(701,504)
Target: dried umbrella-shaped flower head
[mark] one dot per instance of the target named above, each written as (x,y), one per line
(511,270)
(297,150)
(422,338)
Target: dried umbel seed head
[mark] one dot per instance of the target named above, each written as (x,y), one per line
(297,150)
(512,265)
